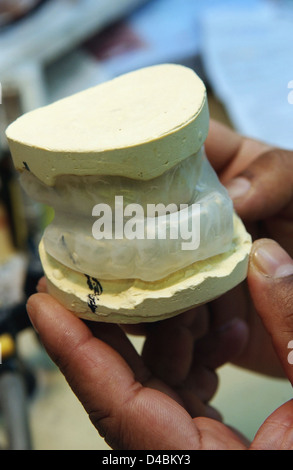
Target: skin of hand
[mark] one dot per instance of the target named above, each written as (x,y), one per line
(132,409)
(259,179)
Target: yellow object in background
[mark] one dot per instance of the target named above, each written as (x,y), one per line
(7,346)
(6,245)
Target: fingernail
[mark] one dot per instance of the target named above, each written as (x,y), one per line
(270,259)
(238,187)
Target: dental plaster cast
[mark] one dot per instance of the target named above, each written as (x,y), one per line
(143,229)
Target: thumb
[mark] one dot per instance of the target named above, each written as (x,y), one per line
(265,187)
(270,280)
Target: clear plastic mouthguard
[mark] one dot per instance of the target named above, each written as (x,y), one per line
(199,226)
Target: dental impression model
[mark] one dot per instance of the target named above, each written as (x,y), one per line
(143,229)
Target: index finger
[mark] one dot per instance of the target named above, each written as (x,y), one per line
(222,144)
(229,152)
(128,414)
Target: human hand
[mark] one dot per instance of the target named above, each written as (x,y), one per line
(134,410)
(259,179)
(266,174)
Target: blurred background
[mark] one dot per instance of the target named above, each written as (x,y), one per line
(50,49)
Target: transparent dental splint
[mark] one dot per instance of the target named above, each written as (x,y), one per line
(206,214)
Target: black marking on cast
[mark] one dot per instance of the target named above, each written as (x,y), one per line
(97,288)
(26,166)
(67,249)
